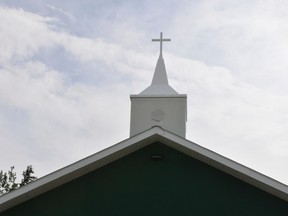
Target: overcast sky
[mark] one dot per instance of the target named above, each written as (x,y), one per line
(67,68)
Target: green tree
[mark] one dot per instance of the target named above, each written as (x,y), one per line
(8,179)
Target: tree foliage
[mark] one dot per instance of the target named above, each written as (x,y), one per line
(8,179)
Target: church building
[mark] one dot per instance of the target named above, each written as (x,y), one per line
(156,171)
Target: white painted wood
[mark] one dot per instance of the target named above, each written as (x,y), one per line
(173,110)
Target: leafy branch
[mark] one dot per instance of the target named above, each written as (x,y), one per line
(8,179)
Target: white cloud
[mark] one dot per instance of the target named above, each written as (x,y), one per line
(53,119)
(247,37)
(58,120)
(231,117)
(22,34)
(61,11)
(42,109)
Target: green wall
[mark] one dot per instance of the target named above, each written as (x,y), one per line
(139,185)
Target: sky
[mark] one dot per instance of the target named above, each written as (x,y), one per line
(67,69)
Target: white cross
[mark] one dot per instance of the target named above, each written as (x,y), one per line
(160,40)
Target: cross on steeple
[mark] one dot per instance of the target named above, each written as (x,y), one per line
(160,40)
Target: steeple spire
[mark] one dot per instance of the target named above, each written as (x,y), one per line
(160,83)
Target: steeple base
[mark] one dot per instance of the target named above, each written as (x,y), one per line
(165,111)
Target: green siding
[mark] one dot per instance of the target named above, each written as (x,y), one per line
(138,185)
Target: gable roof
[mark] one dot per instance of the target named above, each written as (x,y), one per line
(121,149)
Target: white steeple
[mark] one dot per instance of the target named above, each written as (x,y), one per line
(159,104)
